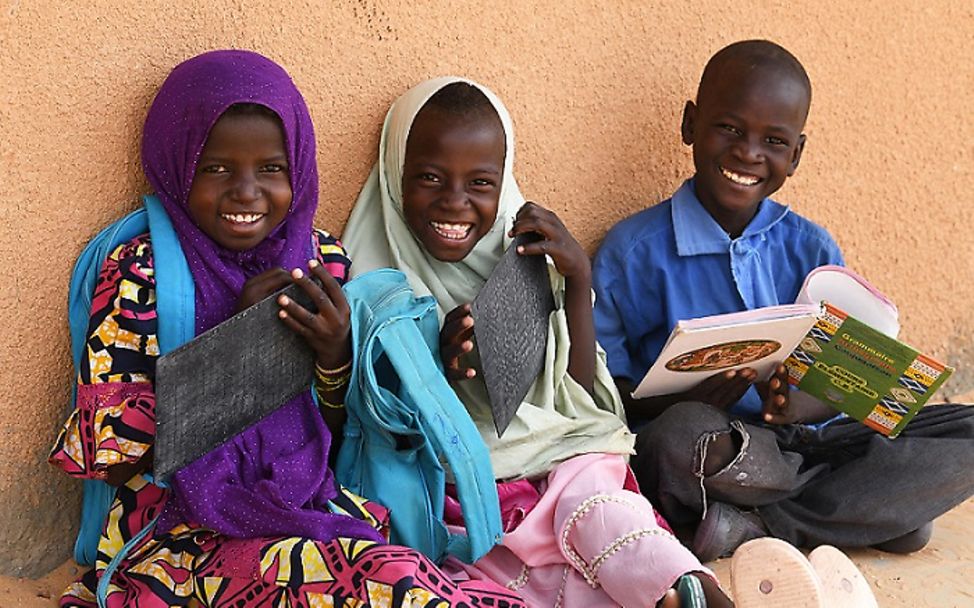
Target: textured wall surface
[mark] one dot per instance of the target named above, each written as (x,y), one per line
(596,90)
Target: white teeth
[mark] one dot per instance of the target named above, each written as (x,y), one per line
(737,178)
(454,232)
(242,218)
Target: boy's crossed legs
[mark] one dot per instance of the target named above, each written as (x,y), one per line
(843,484)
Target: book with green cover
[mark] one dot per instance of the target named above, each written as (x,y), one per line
(862,372)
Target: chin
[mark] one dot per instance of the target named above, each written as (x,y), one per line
(449,256)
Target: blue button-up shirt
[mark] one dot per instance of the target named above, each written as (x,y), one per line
(673,261)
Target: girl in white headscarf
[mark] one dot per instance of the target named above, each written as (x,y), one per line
(442,205)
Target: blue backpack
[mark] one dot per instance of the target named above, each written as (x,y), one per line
(176,303)
(405,421)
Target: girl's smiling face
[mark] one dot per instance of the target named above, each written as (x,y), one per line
(451,181)
(242,188)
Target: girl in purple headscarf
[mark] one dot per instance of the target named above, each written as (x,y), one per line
(229,148)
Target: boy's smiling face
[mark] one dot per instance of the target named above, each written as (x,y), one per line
(451,181)
(746,133)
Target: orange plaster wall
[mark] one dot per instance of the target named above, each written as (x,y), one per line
(595,88)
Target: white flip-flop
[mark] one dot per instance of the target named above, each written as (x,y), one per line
(842,582)
(770,573)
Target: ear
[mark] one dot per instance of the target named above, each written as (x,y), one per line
(689,117)
(797,156)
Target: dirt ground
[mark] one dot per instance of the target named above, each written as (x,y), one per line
(941,576)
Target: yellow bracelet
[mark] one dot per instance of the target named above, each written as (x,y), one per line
(332,382)
(331,406)
(333,372)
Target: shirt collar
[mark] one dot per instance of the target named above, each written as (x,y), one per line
(698,233)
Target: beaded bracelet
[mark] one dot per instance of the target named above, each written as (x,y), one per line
(330,383)
(330,405)
(333,372)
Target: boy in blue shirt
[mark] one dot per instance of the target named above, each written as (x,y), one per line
(720,245)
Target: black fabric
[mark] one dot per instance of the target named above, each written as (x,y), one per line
(227,379)
(511,315)
(842,485)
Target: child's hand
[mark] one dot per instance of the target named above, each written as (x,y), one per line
(569,257)
(455,341)
(259,287)
(777,399)
(328,330)
(784,406)
(724,389)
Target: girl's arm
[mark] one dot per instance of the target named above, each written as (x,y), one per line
(109,434)
(571,261)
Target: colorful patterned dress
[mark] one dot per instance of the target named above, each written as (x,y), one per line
(114,423)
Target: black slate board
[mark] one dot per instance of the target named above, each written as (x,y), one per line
(511,328)
(225,380)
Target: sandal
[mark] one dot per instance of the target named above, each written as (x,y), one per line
(842,582)
(770,573)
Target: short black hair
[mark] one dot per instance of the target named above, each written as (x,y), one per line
(757,55)
(462,99)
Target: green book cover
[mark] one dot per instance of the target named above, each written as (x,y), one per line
(864,373)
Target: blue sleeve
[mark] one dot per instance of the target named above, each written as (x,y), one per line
(612,307)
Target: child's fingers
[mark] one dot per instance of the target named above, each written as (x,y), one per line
(731,391)
(297,327)
(327,309)
(295,312)
(330,286)
(527,209)
(776,418)
(460,311)
(460,373)
(539,225)
(457,330)
(710,384)
(544,247)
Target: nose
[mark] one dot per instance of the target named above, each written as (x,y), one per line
(455,195)
(245,187)
(748,149)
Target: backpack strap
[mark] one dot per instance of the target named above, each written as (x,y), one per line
(175,291)
(97,495)
(453,436)
(176,310)
(408,396)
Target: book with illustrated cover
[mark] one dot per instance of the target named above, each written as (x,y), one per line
(699,348)
(864,373)
(838,343)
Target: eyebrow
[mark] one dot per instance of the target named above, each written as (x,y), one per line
(734,117)
(427,165)
(222,159)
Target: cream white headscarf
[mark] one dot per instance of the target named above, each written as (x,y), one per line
(558,418)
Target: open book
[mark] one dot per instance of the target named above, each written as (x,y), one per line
(838,343)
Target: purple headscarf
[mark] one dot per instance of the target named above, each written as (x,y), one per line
(273,479)
(189,103)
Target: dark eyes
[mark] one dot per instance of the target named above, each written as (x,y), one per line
(217,169)
(771,139)
(479,183)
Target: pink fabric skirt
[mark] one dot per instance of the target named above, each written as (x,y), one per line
(587,541)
